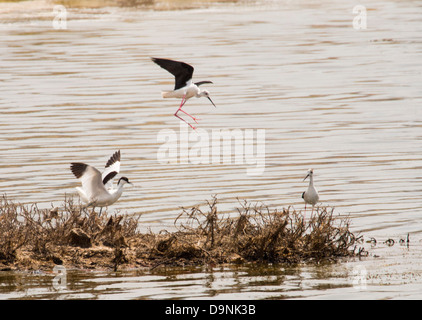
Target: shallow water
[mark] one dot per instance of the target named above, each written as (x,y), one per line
(345,102)
(381,276)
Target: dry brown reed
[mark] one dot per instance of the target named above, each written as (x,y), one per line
(261,234)
(32,238)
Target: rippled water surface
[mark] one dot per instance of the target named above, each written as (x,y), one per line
(345,102)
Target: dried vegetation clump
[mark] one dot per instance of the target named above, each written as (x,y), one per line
(261,234)
(33,238)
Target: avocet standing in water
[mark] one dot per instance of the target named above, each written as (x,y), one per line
(184,88)
(311,195)
(97,189)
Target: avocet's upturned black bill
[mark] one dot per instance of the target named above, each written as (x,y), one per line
(184,88)
(97,189)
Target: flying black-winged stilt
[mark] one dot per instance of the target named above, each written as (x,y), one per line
(184,88)
(97,189)
(311,195)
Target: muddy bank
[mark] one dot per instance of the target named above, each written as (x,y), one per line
(76,237)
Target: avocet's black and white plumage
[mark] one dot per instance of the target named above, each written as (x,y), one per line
(97,189)
(311,195)
(184,88)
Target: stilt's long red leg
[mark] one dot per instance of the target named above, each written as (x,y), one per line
(184,120)
(183,102)
(180,109)
(193,118)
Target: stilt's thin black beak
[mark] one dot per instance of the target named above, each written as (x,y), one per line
(212,102)
(306,177)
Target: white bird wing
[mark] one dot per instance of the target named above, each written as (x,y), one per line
(112,168)
(91,180)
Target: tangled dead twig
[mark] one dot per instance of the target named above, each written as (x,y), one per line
(31,237)
(262,234)
(46,234)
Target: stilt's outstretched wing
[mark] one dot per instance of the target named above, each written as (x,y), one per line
(202,82)
(182,71)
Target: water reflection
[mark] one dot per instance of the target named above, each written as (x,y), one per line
(247,281)
(388,272)
(344,102)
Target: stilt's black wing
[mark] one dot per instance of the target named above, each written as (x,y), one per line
(202,82)
(181,71)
